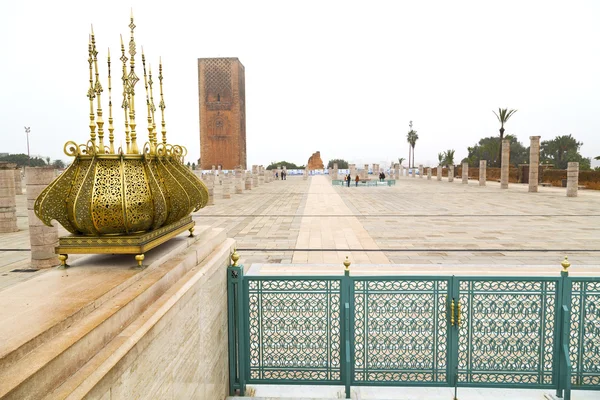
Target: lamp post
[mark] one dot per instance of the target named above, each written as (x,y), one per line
(27,130)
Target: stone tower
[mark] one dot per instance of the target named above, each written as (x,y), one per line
(221,85)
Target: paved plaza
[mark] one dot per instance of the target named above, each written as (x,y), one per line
(418,225)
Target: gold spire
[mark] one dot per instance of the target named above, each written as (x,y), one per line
(98,89)
(132,80)
(125,104)
(111,128)
(152,107)
(161,105)
(148,106)
(91,95)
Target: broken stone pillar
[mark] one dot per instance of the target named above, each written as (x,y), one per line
(428,173)
(414,173)
(482,173)
(18,181)
(227,186)
(572,179)
(451,173)
(465,173)
(397,170)
(278,172)
(255,181)
(8,200)
(352,169)
(365,174)
(335,171)
(420,170)
(261,174)
(504,171)
(213,171)
(439,173)
(239,182)
(209,181)
(248,181)
(376,170)
(534,163)
(43,238)
(305,174)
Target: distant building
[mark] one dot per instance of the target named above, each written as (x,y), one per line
(222,95)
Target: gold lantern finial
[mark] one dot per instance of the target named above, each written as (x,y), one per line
(132,80)
(347,264)
(148,106)
(111,128)
(152,107)
(162,105)
(125,104)
(235,258)
(98,90)
(91,94)
(565,264)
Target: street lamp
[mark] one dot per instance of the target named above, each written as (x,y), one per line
(27,130)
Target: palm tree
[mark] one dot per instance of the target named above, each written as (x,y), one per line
(412,138)
(449,157)
(441,158)
(503,115)
(400,159)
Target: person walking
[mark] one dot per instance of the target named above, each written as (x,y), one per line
(382,176)
(356,180)
(276,175)
(348,179)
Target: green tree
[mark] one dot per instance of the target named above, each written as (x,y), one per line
(441,158)
(23,161)
(400,160)
(487,149)
(561,150)
(342,164)
(412,138)
(503,115)
(58,164)
(449,157)
(285,164)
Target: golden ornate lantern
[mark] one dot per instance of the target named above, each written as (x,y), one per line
(126,201)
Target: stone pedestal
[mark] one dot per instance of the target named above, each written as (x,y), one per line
(376,170)
(365,172)
(248,181)
(8,201)
(335,171)
(43,238)
(255,180)
(428,173)
(420,171)
(451,173)
(210,186)
(18,181)
(465,173)
(482,173)
(534,163)
(227,186)
(439,173)
(305,174)
(504,171)
(397,170)
(213,171)
(352,169)
(239,182)
(279,173)
(572,179)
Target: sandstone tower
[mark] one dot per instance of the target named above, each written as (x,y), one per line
(221,85)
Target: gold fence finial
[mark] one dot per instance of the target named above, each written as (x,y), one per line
(132,80)
(111,128)
(98,90)
(125,104)
(235,258)
(347,264)
(565,264)
(91,94)
(162,105)
(148,106)
(152,107)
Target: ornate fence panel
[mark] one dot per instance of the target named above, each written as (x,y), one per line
(400,330)
(584,335)
(293,327)
(507,331)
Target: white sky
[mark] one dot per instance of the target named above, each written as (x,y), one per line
(340,77)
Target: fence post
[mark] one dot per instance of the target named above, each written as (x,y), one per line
(347,354)
(563,375)
(235,301)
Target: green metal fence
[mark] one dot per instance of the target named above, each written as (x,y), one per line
(424,331)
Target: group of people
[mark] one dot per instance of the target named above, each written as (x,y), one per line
(283,175)
(348,178)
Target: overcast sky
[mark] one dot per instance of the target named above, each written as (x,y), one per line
(344,78)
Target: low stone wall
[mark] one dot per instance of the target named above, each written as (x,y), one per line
(589,179)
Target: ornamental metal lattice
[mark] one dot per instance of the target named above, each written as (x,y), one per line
(507,331)
(400,331)
(294,330)
(584,343)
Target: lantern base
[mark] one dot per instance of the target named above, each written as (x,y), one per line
(137,243)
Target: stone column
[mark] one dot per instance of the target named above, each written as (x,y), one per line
(572,179)
(248,181)
(414,175)
(352,170)
(534,163)
(239,183)
(376,171)
(209,181)
(330,173)
(8,200)
(505,164)
(451,173)
(255,181)
(482,175)
(43,238)
(366,171)
(428,173)
(305,174)
(285,170)
(439,173)
(420,170)
(18,182)
(465,173)
(227,186)
(335,171)
(397,170)
(278,172)
(213,171)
